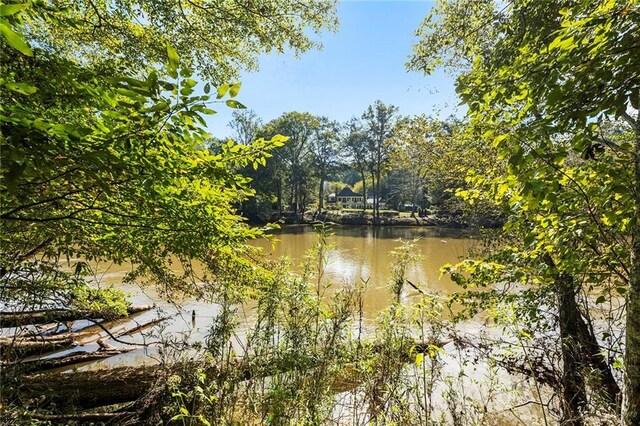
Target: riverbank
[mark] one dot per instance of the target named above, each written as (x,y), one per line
(387,218)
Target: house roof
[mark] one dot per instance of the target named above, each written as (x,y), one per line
(348,192)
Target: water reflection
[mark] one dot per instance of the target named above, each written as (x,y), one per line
(358,253)
(362,253)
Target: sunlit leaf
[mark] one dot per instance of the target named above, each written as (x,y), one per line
(232,103)
(222,90)
(14,39)
(23,88)
(12,9)
(234,90)
(172,65)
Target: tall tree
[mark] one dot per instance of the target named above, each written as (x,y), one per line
(301,129)
(246,126)
(378,121)
(411,149)
(355,144)
(437,155)
(325,154)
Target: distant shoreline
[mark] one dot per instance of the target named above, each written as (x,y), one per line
(453,221)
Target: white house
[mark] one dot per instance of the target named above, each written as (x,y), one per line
(349,199)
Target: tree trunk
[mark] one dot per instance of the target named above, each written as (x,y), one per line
(414,200)
(321,195)
(377,200)
(296,199)
(607,387)
(279,194)
(89,389)
(17,342)
(375,195)
(580,349)
(303,206)
(364,189)
(21,349)
(299,200)
(631,411)
(21,346)
(18,319)
(65,361)
(80,417)
(574,393)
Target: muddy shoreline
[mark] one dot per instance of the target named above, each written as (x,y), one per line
(441,220)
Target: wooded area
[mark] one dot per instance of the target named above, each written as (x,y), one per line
(106,155)
(405,163)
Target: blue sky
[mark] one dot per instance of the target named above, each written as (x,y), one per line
(362,62)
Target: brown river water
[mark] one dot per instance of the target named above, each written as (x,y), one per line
(362,253)
(358,253)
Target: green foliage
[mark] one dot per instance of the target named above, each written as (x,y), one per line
(463,32)
(404,257)
(419,160)
(301,352)
(294,351)
(553,87)
(378,123)
(435,158)
(218,38)
(558,203)
(325,154)
(292,165)
(113,167)
(106,163)
(43,285)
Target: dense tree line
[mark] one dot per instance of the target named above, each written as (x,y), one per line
(391,159)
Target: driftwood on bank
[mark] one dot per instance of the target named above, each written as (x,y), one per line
(67,360)
(89,389)
(19,342)
(29,345)
(19,319)
(79,417)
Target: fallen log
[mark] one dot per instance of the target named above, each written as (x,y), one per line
(33,345)
(80,417)
(22,346)
(65,361)
(89,389)
(19,319)
(20,341)
(25,348)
